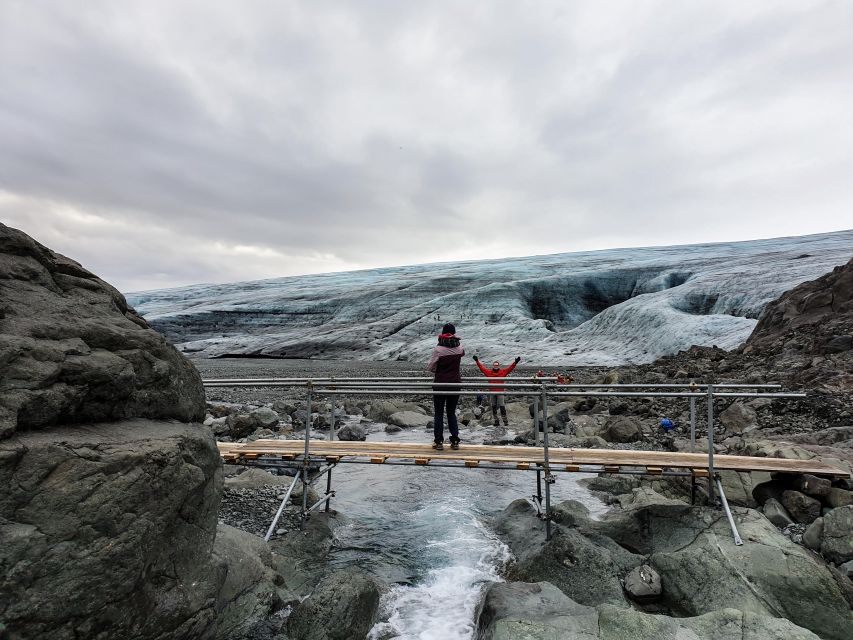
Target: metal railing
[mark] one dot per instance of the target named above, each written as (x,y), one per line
(540,389)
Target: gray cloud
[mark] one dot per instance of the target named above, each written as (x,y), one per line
(166,143)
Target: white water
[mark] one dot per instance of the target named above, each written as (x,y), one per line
(443,604)
(426,531)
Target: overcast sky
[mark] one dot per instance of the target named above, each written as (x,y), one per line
(167,143)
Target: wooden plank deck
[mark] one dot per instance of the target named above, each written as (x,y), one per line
(653,462)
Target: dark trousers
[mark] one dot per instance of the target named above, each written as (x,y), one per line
(448,404)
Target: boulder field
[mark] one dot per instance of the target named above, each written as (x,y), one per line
(585,575)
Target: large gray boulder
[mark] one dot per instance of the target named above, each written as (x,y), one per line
(106,531)
(72,350)
(692,549)
(540,611)
(409,419)
(252,590)
(738,418)
(622,429)
(342,607)
(703,570)
(588,568)
(382,411)
(837,545)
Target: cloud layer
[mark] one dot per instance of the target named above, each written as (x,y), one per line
(165,143)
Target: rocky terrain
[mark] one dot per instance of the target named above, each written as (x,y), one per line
(655,565)
(592,308)
(109,517)
(119,520)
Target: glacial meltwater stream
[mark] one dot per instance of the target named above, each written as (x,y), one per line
(426,531)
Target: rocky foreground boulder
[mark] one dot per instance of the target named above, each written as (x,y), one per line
(106,531)
(111,489)
(540,611)
(692,551)
(72,350)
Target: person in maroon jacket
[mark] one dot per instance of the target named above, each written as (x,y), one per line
(444,363)
(496,397)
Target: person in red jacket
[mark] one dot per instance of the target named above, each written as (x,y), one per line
(496,398)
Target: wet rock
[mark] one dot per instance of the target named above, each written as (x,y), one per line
(342,607)
(801,507)
(409,419)
(539,611)
(643,584)
(813,535)
(252,590)
(587,570)
(776,513)
(622,429)
(533,611)
(392,428)
(846,569)
(352,432)
(837,544)
(738,418)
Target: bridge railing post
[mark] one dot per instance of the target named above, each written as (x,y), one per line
(549,479)
(710,444)
(305,458)
(692,420)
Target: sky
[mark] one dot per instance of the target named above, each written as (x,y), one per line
(164,143)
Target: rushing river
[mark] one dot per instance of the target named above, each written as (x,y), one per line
(426,531)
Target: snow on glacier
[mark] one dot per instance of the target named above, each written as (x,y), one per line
(596,307)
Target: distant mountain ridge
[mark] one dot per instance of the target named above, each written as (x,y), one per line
(597,307)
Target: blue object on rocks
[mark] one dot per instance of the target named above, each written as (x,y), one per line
(666,424)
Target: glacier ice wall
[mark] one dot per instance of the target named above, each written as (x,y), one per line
(597,307)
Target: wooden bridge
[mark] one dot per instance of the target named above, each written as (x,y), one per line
(514,457)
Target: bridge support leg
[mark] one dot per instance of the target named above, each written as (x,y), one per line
(281,508)
(711,444)
(728,511)
(536,423)
(328,487)
(306,461)
(549,479)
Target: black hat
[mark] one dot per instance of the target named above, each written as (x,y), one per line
(448,328)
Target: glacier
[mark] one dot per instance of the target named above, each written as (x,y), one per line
(607,307)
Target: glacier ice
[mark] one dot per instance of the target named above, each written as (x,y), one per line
(587,308)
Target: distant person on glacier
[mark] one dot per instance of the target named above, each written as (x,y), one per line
(496,397)
(444,363)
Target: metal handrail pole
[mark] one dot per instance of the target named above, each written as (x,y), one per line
(743,394)
(306,460)
(711,444)
(328,488)
(548,477)
(536,421)
(281,508)
(332,421)
(692,425)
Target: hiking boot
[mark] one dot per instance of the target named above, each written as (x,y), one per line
(454,443)
(496,423)
(506,421)
(438,446)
